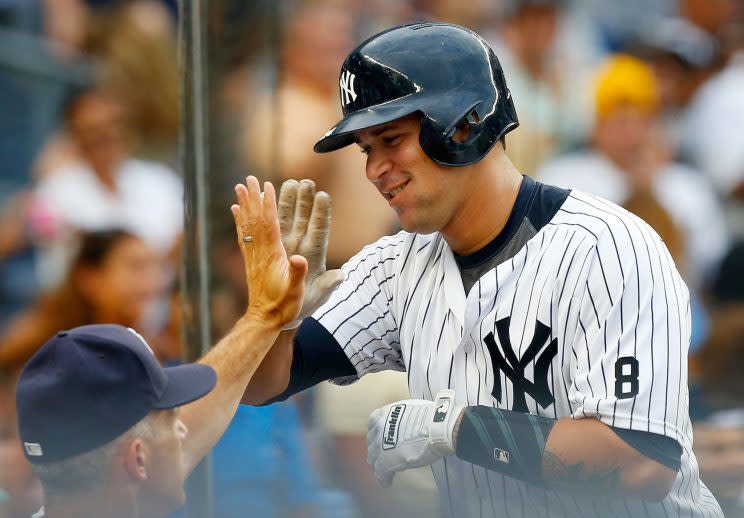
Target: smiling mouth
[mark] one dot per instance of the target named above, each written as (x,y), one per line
(392,194)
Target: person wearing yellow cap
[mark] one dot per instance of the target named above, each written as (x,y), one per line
(630,154)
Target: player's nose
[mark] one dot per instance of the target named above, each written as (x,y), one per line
(378,164)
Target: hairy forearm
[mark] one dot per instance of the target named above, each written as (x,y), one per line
(585,454)
(235,358)
(272,376)
(563,454)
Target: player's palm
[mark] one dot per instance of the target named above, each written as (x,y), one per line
(275,281)
(304,221)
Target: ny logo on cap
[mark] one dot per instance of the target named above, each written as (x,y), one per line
(346,82)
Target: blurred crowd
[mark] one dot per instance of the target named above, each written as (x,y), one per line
(640,102)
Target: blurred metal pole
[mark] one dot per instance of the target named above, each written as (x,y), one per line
(275,48)
(194,147)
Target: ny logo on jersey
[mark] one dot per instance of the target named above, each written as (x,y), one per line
(346,82)
(513,367)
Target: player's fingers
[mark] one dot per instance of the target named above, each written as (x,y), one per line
(287,201)
(305,199)
(269,209)
(373,448)
(319,225)
(375,417)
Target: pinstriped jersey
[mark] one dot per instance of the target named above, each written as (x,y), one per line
(588,319)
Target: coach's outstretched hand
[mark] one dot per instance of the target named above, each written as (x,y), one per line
(305,220)
(275,281)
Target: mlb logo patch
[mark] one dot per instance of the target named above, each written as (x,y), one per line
(501,456)
(33,449)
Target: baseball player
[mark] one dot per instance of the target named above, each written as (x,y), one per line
(544,331)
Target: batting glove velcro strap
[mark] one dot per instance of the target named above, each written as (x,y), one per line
(411,433)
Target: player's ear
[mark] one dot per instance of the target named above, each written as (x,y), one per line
(135,459)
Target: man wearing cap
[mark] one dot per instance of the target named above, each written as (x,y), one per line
(110,432)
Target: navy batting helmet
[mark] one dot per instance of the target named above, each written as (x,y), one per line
(447,73)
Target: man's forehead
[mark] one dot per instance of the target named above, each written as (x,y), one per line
(378,130)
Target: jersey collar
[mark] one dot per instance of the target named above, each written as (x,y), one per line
(520,209)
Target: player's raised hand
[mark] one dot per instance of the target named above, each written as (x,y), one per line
(276,281)
(305,220)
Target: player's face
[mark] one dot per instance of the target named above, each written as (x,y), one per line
(166,471)
(425,195)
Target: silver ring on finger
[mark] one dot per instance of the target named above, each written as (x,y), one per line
(247,239)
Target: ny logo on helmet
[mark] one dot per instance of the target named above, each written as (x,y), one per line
(346,82)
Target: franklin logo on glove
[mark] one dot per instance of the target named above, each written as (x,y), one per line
(391,434)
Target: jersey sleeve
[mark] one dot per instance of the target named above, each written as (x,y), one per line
(632,334)
(360,313)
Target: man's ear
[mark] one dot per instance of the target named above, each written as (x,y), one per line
(135,460)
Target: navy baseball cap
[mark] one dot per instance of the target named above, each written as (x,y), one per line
(87,386)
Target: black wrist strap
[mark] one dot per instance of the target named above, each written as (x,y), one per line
(508,442)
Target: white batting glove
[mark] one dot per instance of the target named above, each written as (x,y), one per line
(304,221)
(410,434)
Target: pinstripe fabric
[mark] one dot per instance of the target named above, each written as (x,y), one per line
(597,281)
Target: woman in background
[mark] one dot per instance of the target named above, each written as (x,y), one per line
(113,278)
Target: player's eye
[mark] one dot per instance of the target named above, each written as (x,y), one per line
(391,140)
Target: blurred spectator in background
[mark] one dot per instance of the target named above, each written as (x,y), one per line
(546,82)
(261,466)
(719,448)
(280,133)
(630,153)
(34,79)
(682,57)
(114,278)
(717,387)
(712,132)
(106,187)
(708,15)
(475,15)
(47,48)
(20,491)
(342,414)
(717,366)
(135,42)
(619,22)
